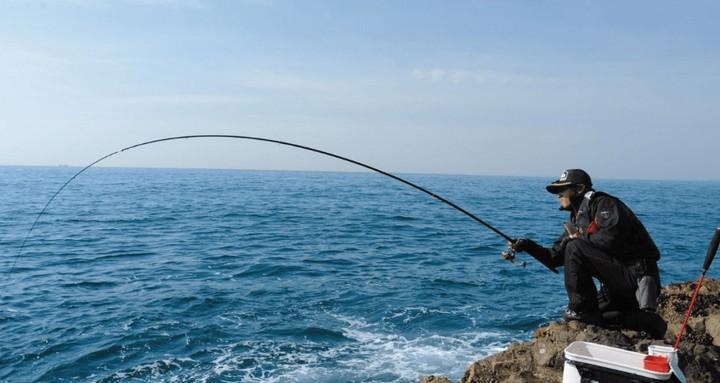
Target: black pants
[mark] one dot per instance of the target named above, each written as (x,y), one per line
(619,279)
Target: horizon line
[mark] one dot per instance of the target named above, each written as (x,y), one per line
(352,171)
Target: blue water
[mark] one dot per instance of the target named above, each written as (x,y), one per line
(156,275)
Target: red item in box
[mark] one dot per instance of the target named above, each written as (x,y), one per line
(657,363)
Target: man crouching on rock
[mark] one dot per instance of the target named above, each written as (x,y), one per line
(603,239)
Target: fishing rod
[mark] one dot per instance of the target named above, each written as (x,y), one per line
(709,256)
(230,136)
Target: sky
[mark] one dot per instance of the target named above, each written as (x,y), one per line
(623,89)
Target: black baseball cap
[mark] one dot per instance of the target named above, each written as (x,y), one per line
(568,178)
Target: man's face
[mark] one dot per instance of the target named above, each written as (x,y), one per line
(567,195)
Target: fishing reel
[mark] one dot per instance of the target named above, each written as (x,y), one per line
(510,254)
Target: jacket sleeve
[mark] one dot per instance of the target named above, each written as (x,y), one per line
(542,254)
(557,251)
(608,226)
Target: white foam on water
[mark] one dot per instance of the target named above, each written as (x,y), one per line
(409,314)
(371,354)
(155,369)
(408,359)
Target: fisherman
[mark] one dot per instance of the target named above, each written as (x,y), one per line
(603,239)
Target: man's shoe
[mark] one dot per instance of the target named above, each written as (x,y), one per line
(590,317)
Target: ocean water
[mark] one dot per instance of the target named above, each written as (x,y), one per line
(160,275)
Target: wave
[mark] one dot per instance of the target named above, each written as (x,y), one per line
(367,355)
(269,270)
(311,333)
(444,282)
(92,285)
(121,255)
(154,369)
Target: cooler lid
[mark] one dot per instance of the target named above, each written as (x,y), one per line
(612,358)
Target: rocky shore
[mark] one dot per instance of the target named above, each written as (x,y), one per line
(541,359)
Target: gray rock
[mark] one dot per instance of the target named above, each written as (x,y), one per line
(435,379)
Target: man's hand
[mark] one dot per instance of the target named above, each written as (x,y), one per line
(572,231)
(538,252)
(523,244)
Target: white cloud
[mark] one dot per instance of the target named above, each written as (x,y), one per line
(261,3)
(185,99)
(460,76)
(194,4)
(283,82)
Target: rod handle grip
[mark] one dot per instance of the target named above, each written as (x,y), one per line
(712,250)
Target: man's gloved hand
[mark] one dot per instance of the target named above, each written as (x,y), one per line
(538,252)
(524,244)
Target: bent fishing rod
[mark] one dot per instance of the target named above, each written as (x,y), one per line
(285,143)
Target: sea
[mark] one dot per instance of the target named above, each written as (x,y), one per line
(187,275)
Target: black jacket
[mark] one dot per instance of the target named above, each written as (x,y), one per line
(608,224)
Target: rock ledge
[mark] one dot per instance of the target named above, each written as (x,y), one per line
(541,359)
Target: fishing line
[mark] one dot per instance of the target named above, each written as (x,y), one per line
(406,182)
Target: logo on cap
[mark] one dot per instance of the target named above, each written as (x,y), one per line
(563,177)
